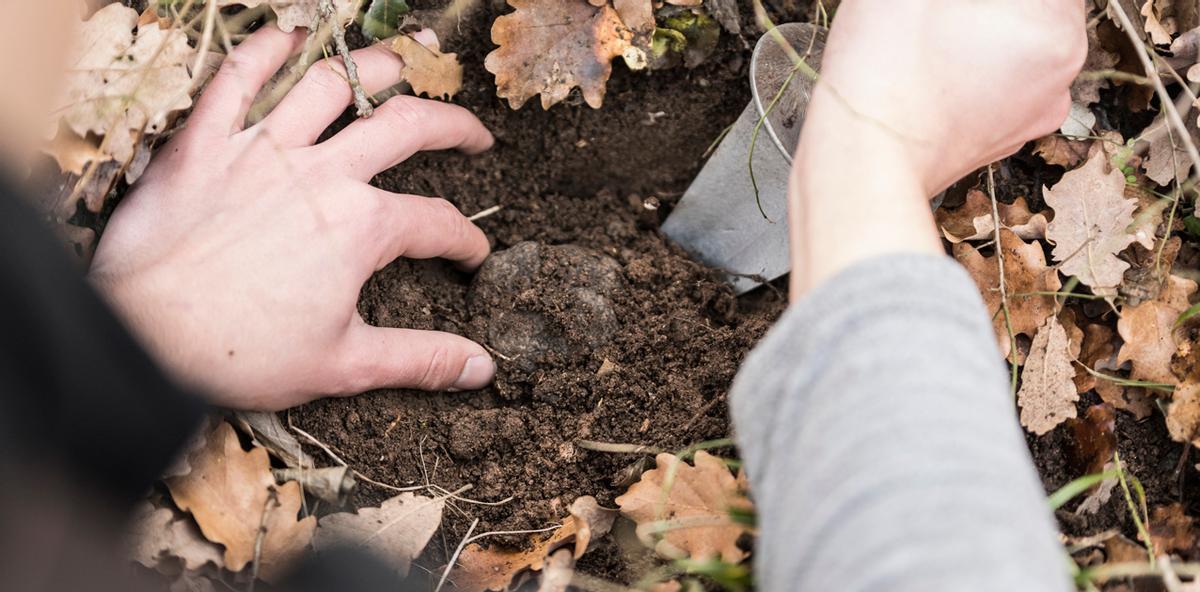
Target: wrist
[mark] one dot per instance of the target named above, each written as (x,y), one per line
(857,192)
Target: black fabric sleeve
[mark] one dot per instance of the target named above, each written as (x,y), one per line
(76,389)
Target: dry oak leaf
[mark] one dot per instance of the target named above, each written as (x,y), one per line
(228,491)
(1061,151)
(291,14)
(1167,158)
(1091,218)
(973,219)
(548,47)
(156,534)
(1167,18)
(1048,396)
(1183,414)
(1150,334)
(688,516)
(429,71)
(1026,274)
(482,569)
(121,83)
(397,530)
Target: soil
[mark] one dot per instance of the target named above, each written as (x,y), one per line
(602,329)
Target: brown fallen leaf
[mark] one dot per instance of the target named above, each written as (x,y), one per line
(1120,549)
(1094,439)
(1148,271)
(1091,216)
(1167,18)
(1026,274)
(683,510)
(1183,414)
(429,71)
(1171,530)
(73,153)
(973,220)
(1150,334)
(1167,159)
(1158,32)
(482,569)
(161,534)
(123,82)
(1061,151)
(548,47)
(397,531)
(1048,396)
(230,492)
(1097,352)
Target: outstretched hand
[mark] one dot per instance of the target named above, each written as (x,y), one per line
(239,256)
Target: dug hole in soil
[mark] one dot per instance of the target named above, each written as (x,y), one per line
(601,329)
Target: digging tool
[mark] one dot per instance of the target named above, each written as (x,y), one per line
(734,215)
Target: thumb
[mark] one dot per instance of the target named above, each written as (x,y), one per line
(406,358)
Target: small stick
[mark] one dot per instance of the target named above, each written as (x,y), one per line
(454,557)
(616,448)
(258,540)
(361,101)
(486,213)
(1012,338)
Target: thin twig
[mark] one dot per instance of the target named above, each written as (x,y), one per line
(486,213)
(262,534)
(617,448)
(454,557)
(361,100)
(1012,338)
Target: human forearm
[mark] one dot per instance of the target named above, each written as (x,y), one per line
(882,446)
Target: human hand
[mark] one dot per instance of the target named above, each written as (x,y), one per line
(239,255)
(914,95)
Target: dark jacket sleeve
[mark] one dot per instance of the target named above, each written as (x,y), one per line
(76,389)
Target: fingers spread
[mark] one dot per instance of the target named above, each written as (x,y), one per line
(225,102)
(424,228)
(375,357)
(400,128)
(324,93)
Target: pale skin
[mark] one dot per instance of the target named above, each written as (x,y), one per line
(238,258)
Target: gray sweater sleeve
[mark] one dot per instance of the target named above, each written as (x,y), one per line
(882,446)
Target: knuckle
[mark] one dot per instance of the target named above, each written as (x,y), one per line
(438,370)
(407,110)
(327,77)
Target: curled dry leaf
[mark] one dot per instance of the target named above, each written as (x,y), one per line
(159,534)
(1150,334)
(1091,215)
(1047,396)
(1026,277)
(230,492)
(684,511)
(1167,159)
(973,220)
(1167,18)
(291,14)
(1086,89)
(1061,151)
(429,71)
(1147,274)
(397,531)
(548,47)
(482,569)
(123,80)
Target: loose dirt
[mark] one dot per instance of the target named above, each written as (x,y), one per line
(601,328)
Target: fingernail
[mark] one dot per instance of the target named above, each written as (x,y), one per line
(476,374)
